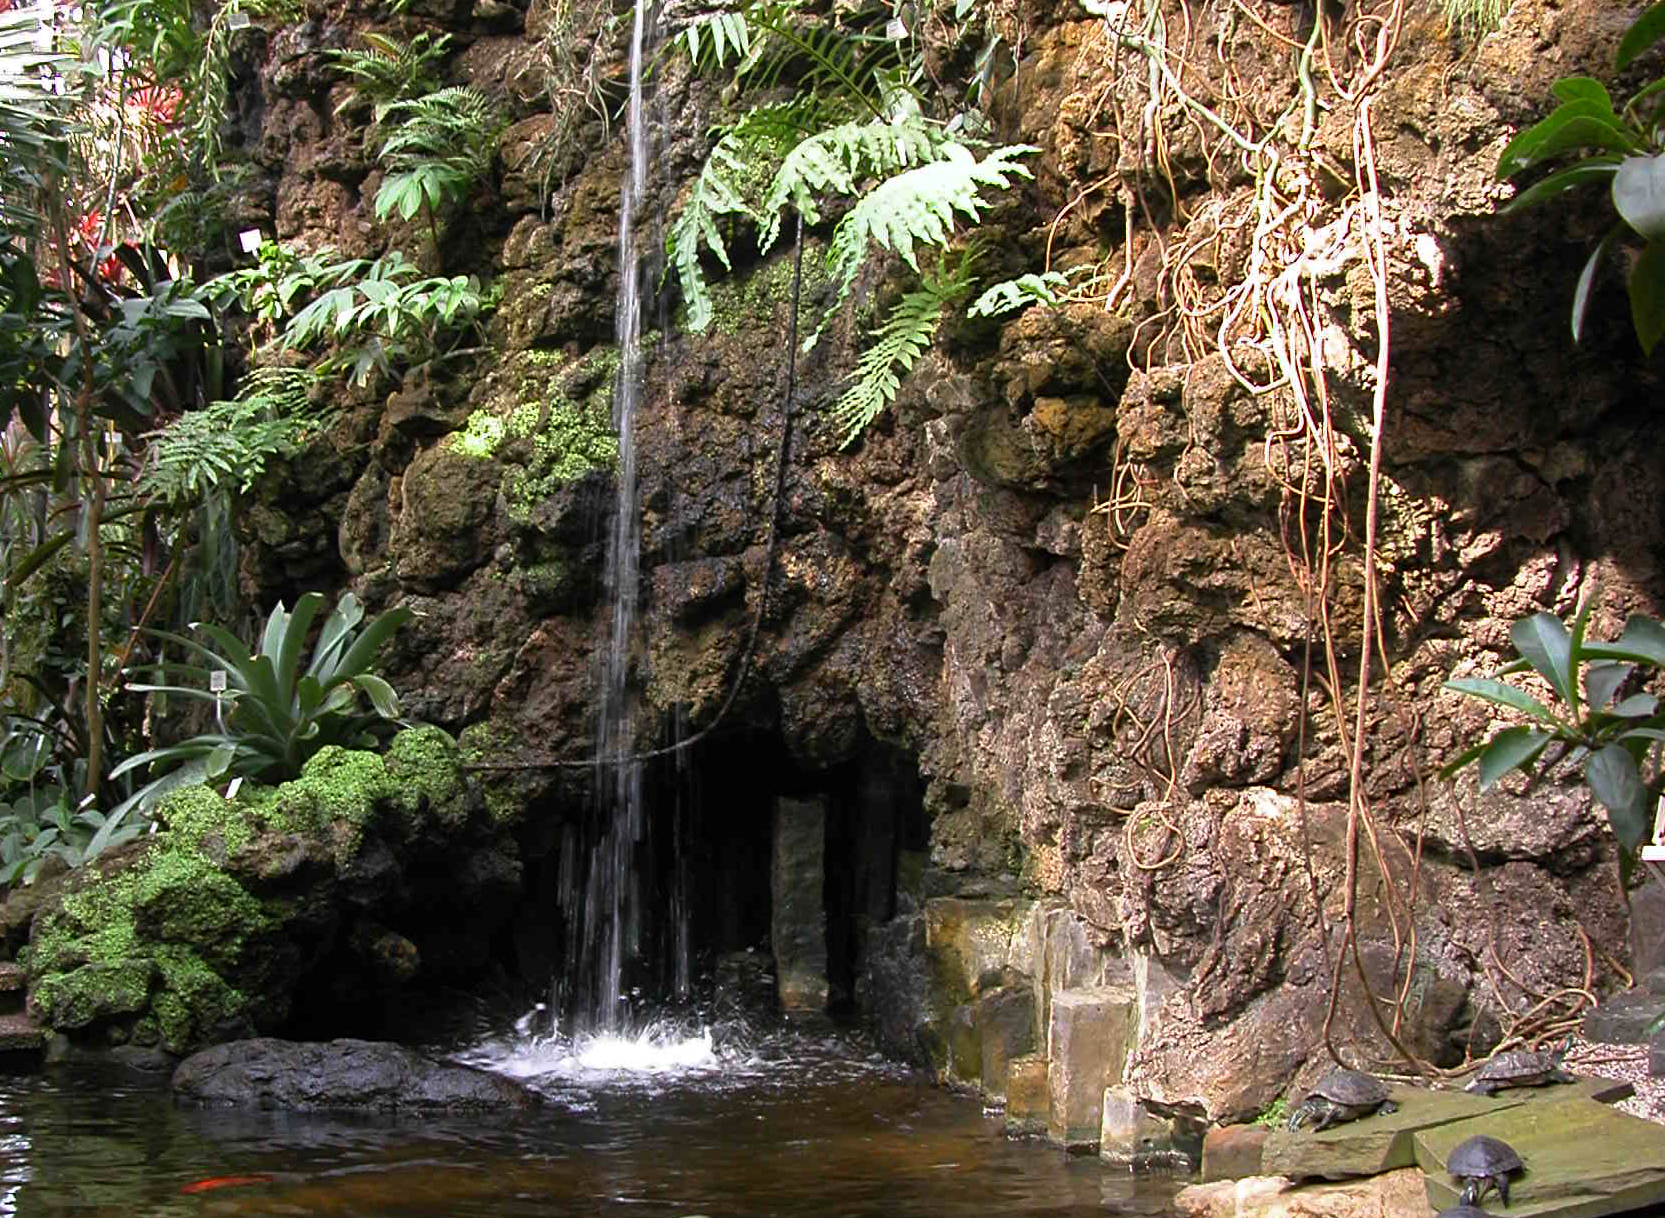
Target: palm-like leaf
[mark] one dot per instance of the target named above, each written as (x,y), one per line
(278,715)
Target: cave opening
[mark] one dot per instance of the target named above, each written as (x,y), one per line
(744,850)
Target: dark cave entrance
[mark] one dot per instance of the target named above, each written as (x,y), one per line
(743,850)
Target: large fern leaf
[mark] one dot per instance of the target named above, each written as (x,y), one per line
(836,158)
(916,207)
(898,344)
(744,153)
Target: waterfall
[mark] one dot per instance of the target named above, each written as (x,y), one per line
(605,889)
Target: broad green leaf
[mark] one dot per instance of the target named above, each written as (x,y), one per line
(1574,88)
(1637,706)
(1602,681)
(380,693)
(1647,295)
(1452,767)
(1586,281)
(1642,34)
(271,642)
(1641,642)
(1570,126)
(335,637)
(365,647)
(1611,773)
(1543,642)
(1511,749)
(106,835)
(288,653)
(1501,694)
(309,695)
(1639,194)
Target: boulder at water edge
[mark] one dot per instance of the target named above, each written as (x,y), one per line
(357,1074)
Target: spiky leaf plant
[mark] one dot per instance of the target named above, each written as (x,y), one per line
(274,714)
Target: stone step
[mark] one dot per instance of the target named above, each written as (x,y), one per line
(1387,1141)
(1583,1160)
(22,1043)
(13,985)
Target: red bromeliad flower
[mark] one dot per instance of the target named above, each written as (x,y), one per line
(87,231)
(161,102)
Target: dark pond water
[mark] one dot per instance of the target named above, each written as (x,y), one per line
(789,1127)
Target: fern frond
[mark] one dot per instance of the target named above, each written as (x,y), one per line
(717,35)
(818,57)
(834,159)
(1010,295)
(390,71)
(743,151)
(898,344)
(227,443)
(916,207)
(454,125)
(714,196)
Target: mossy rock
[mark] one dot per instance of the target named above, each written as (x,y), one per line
(210,925)
(182,898)
(423,767)
(93,993)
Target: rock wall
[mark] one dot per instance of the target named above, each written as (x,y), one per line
(1099,572)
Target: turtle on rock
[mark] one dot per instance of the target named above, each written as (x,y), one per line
(1481,1163)
(1519,1068)
(1342,1095)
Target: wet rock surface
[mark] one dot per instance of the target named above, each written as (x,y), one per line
(340,1075)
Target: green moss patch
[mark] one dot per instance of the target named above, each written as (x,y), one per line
(548,420)
(422,765)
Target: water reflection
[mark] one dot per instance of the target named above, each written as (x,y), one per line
(787,1128)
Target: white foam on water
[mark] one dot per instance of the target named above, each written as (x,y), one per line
(658,1053)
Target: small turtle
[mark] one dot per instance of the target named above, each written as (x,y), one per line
(1342,1095)
(1519,1068)
(1480,1163)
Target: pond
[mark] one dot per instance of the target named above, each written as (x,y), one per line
(789,1126)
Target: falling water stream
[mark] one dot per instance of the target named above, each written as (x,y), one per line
(604,894)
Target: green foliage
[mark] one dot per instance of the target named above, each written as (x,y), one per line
(917,207)
(1624,148)
(440,147)
(375,314)
(279,714)
(1276,1114)
(834,160)
(712,38)
(728,185)
(1474,18)
(270,289)
(907,331)
(207,86)
(1596,721)
(1010,295)
(856,129)
(390,71)
(40,824)
(227,443)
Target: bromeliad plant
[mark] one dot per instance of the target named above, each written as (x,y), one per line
(1616,734)
(1624,148)
(273,714)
